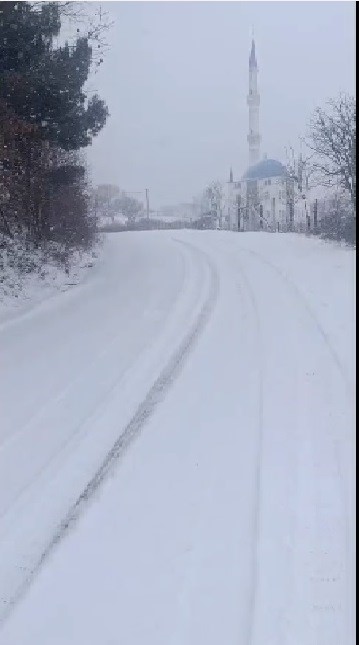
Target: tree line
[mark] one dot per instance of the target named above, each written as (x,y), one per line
(329,163)
(47,119)
(109,201)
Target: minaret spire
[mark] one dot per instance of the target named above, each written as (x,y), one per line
(252,58)
(253,101)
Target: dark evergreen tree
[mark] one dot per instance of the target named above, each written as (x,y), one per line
(43,85)
(45,114)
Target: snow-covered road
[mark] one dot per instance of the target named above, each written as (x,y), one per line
(177,448)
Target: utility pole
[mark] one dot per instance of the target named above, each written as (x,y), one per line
(147,203)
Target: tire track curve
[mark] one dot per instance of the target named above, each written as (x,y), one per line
(132,430)
(71,387)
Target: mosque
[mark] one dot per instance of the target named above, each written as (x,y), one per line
(267,197)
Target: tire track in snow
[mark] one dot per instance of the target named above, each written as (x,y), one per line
(80,381)
(150,362)
(134,427)
(81,375)
(259,459)
(350,388)
(325,564)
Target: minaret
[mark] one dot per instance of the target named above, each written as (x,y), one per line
(253,101)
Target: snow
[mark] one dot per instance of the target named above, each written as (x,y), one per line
(108,220)
(20,291)
(225,512)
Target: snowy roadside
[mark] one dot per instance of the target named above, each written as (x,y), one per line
(20,290)
(321,271)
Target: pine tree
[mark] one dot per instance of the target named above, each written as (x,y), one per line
(44,116)
(43,85)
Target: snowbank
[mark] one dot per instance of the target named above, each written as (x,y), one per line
(28,276)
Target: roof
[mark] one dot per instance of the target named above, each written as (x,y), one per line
(264,169)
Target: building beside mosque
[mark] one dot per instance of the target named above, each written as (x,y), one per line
(266,197)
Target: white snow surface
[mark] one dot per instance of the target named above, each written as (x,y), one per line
(20,292)
(199,387)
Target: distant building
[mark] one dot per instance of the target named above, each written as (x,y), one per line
(266,197)
(185,212)
(261,200)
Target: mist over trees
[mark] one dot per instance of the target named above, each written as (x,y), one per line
(47,119)
(110,202)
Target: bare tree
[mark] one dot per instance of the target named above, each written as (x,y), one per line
(214,194)
(105,194)
(332,138)
(84,20)
(302,176)
(129,206)
(336,219)
(301,168)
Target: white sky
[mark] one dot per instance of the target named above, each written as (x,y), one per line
(176,77)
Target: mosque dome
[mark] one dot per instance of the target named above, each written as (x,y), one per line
(265,169)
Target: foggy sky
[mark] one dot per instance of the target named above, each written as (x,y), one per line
(175,79)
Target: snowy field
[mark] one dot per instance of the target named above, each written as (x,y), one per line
(177,447)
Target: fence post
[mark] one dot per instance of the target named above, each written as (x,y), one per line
(315,216)
(291,216)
